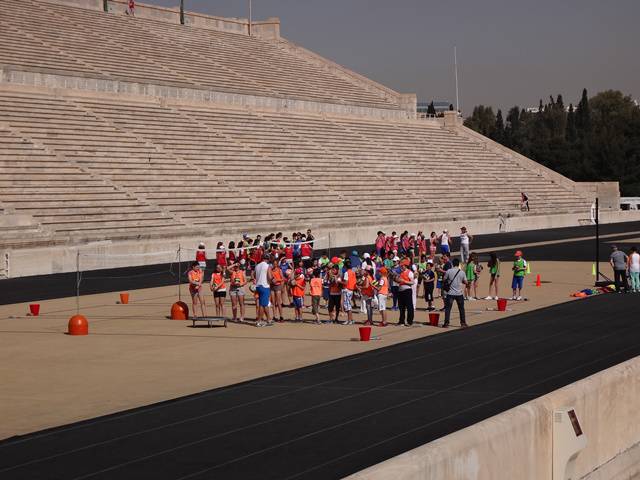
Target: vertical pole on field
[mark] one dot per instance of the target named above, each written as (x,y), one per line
(179,271)
(181,12)
(597,241)
(77,282)
(250,18)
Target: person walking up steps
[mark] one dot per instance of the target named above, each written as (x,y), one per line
(453,283)
(519,270)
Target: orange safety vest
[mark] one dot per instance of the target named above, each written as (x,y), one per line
(277,276)
(298,289)
(218,279)
(237,275)
(351,280)
(368,291)
(195,276)
(384,288)
(405,276)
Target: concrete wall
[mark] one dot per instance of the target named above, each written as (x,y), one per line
(517,444)
(608,193)
(48,258)
(78,84)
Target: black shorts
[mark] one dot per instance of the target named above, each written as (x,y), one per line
(220,294)
(428,292)
(334,302)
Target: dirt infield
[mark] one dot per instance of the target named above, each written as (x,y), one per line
(135,355)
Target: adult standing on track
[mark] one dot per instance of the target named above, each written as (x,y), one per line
(634,269)
(263,275)
(196,276)
(465,241)
(452,283)
(618,260)
(405,293)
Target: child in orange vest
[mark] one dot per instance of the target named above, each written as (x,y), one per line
(196,276)
(316,294)
(298,285)
(219,290)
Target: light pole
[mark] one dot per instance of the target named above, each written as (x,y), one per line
(181,12)
(250,18)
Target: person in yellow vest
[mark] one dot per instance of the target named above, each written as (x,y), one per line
(196,277)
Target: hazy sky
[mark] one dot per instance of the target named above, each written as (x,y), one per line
(509,52)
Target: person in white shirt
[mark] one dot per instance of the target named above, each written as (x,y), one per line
(263,274)
(465,241)
(444,242)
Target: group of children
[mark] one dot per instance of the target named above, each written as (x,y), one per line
(397,269)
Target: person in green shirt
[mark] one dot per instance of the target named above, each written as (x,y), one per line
(519,270)
(470,272)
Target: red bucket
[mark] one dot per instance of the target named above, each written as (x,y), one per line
(365,334)
(124,298)
(34,308)
(502,304)
(434,318)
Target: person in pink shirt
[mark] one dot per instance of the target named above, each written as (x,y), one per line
(381,241)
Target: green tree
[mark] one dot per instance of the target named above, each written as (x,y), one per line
(571,134)
(482,120)
(431,110)
(498,133)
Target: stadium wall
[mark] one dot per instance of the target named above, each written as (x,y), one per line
(37,80)
(44,257)
(517,444)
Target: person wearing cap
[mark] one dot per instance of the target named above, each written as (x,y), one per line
(428,282)
(405,281)
(519,270)
(196,277)
(354,258)
(465,242)
(618,260)
(453,283)
(263,276)
(444,242)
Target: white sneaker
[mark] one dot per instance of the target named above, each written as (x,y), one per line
(488,297)
(261,324)
(495,298)
(512,298)
(472,299)
(518,298)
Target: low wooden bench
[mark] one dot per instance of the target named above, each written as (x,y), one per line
(209,320)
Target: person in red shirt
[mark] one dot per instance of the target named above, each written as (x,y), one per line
(367,292)
(232,253)
(306,254)
(288,252)
(201,256)
(221,256)
(132,8)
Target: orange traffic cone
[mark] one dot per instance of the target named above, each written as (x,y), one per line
(538,282)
